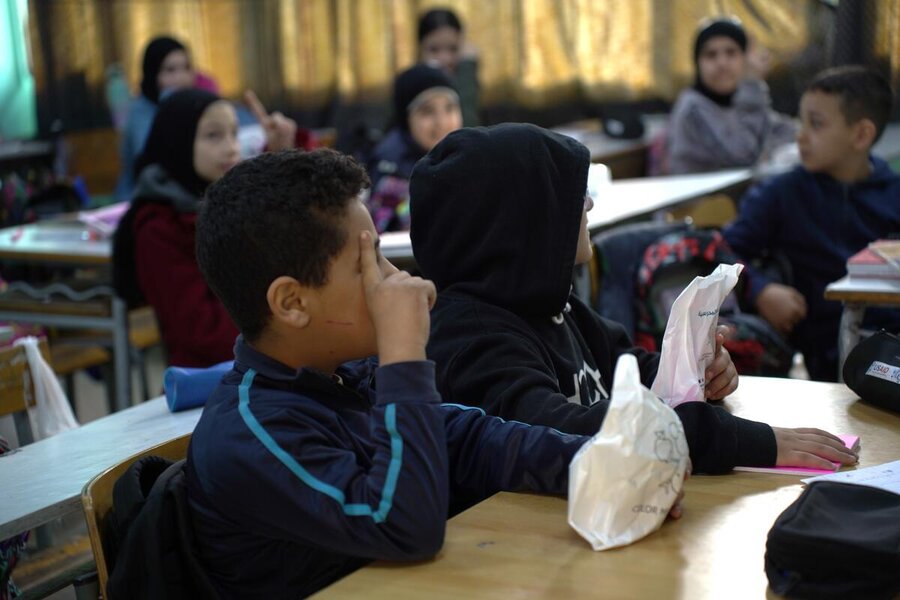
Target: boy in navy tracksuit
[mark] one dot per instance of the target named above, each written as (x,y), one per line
(499,220)
(821,213)
(303,465)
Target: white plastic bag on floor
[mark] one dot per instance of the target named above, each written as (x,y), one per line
(51,413)
(623,482)
(689,344)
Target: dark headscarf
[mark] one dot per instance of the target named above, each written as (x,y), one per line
(720,28)
(412,82)
(168,157)
(170,143)
(156,52)
(437,18)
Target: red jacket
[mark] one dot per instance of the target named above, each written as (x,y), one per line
(196,329)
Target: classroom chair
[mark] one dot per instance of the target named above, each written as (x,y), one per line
(97,500)
(713,211)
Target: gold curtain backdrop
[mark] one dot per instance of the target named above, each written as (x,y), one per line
(887,36)
(306,53)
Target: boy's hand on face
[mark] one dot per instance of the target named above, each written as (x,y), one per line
(721,374)
(812,448)
(281,131)
(399,305)
(782,306)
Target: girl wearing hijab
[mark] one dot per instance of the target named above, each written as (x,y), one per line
(166,67)
(725,120)
(442,45)
(192,143)
(426,108)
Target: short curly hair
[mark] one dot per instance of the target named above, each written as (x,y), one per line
(280,213)
(863,94)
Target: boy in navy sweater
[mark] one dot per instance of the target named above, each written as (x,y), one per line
(303,465)
(821,213)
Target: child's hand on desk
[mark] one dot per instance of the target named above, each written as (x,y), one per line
(281,131)
(399,305)
(782,306)
(813,448)
(721,374)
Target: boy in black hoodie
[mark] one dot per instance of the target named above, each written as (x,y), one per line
(498,223)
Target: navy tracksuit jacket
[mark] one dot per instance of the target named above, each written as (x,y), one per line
(296,478)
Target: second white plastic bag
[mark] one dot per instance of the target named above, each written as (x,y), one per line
(689,344)
(51,413)
(623,481)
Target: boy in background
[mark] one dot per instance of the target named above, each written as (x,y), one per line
(338,462)
(821,213)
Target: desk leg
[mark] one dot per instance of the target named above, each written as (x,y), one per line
(848,336)
(121,354)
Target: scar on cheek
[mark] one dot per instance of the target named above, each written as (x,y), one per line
(346,323)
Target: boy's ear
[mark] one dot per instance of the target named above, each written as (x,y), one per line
(864,134)
(289,302)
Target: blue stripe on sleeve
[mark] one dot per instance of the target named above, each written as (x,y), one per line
(363,510)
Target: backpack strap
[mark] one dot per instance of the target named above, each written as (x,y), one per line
(130,494)
(159,555)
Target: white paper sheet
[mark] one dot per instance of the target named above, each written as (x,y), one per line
(885,477)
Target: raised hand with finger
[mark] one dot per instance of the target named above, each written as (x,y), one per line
(281,131)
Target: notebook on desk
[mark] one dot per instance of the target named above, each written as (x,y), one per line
(879,260)
(851,441)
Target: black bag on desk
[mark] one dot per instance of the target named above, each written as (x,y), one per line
(872,370)
(837,540)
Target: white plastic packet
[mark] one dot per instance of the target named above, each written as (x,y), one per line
(52,412)
(689,344)
(623,482)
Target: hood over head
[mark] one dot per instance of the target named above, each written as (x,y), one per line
(496,213)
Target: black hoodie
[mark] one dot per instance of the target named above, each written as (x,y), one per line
(496,214)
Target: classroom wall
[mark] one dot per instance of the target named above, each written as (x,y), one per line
(18,119)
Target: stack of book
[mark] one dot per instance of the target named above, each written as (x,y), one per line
(879,260)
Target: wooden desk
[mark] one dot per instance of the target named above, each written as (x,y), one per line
(65,241)
(521,546)
(618,202)
(857,294)
(42,481)
(627,199)
(56,241)
(625,158)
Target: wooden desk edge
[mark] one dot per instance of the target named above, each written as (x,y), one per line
(53,257)
(863,297)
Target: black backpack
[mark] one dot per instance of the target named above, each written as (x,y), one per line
(151,544)
(872,370)
(837,540)
(669,264)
